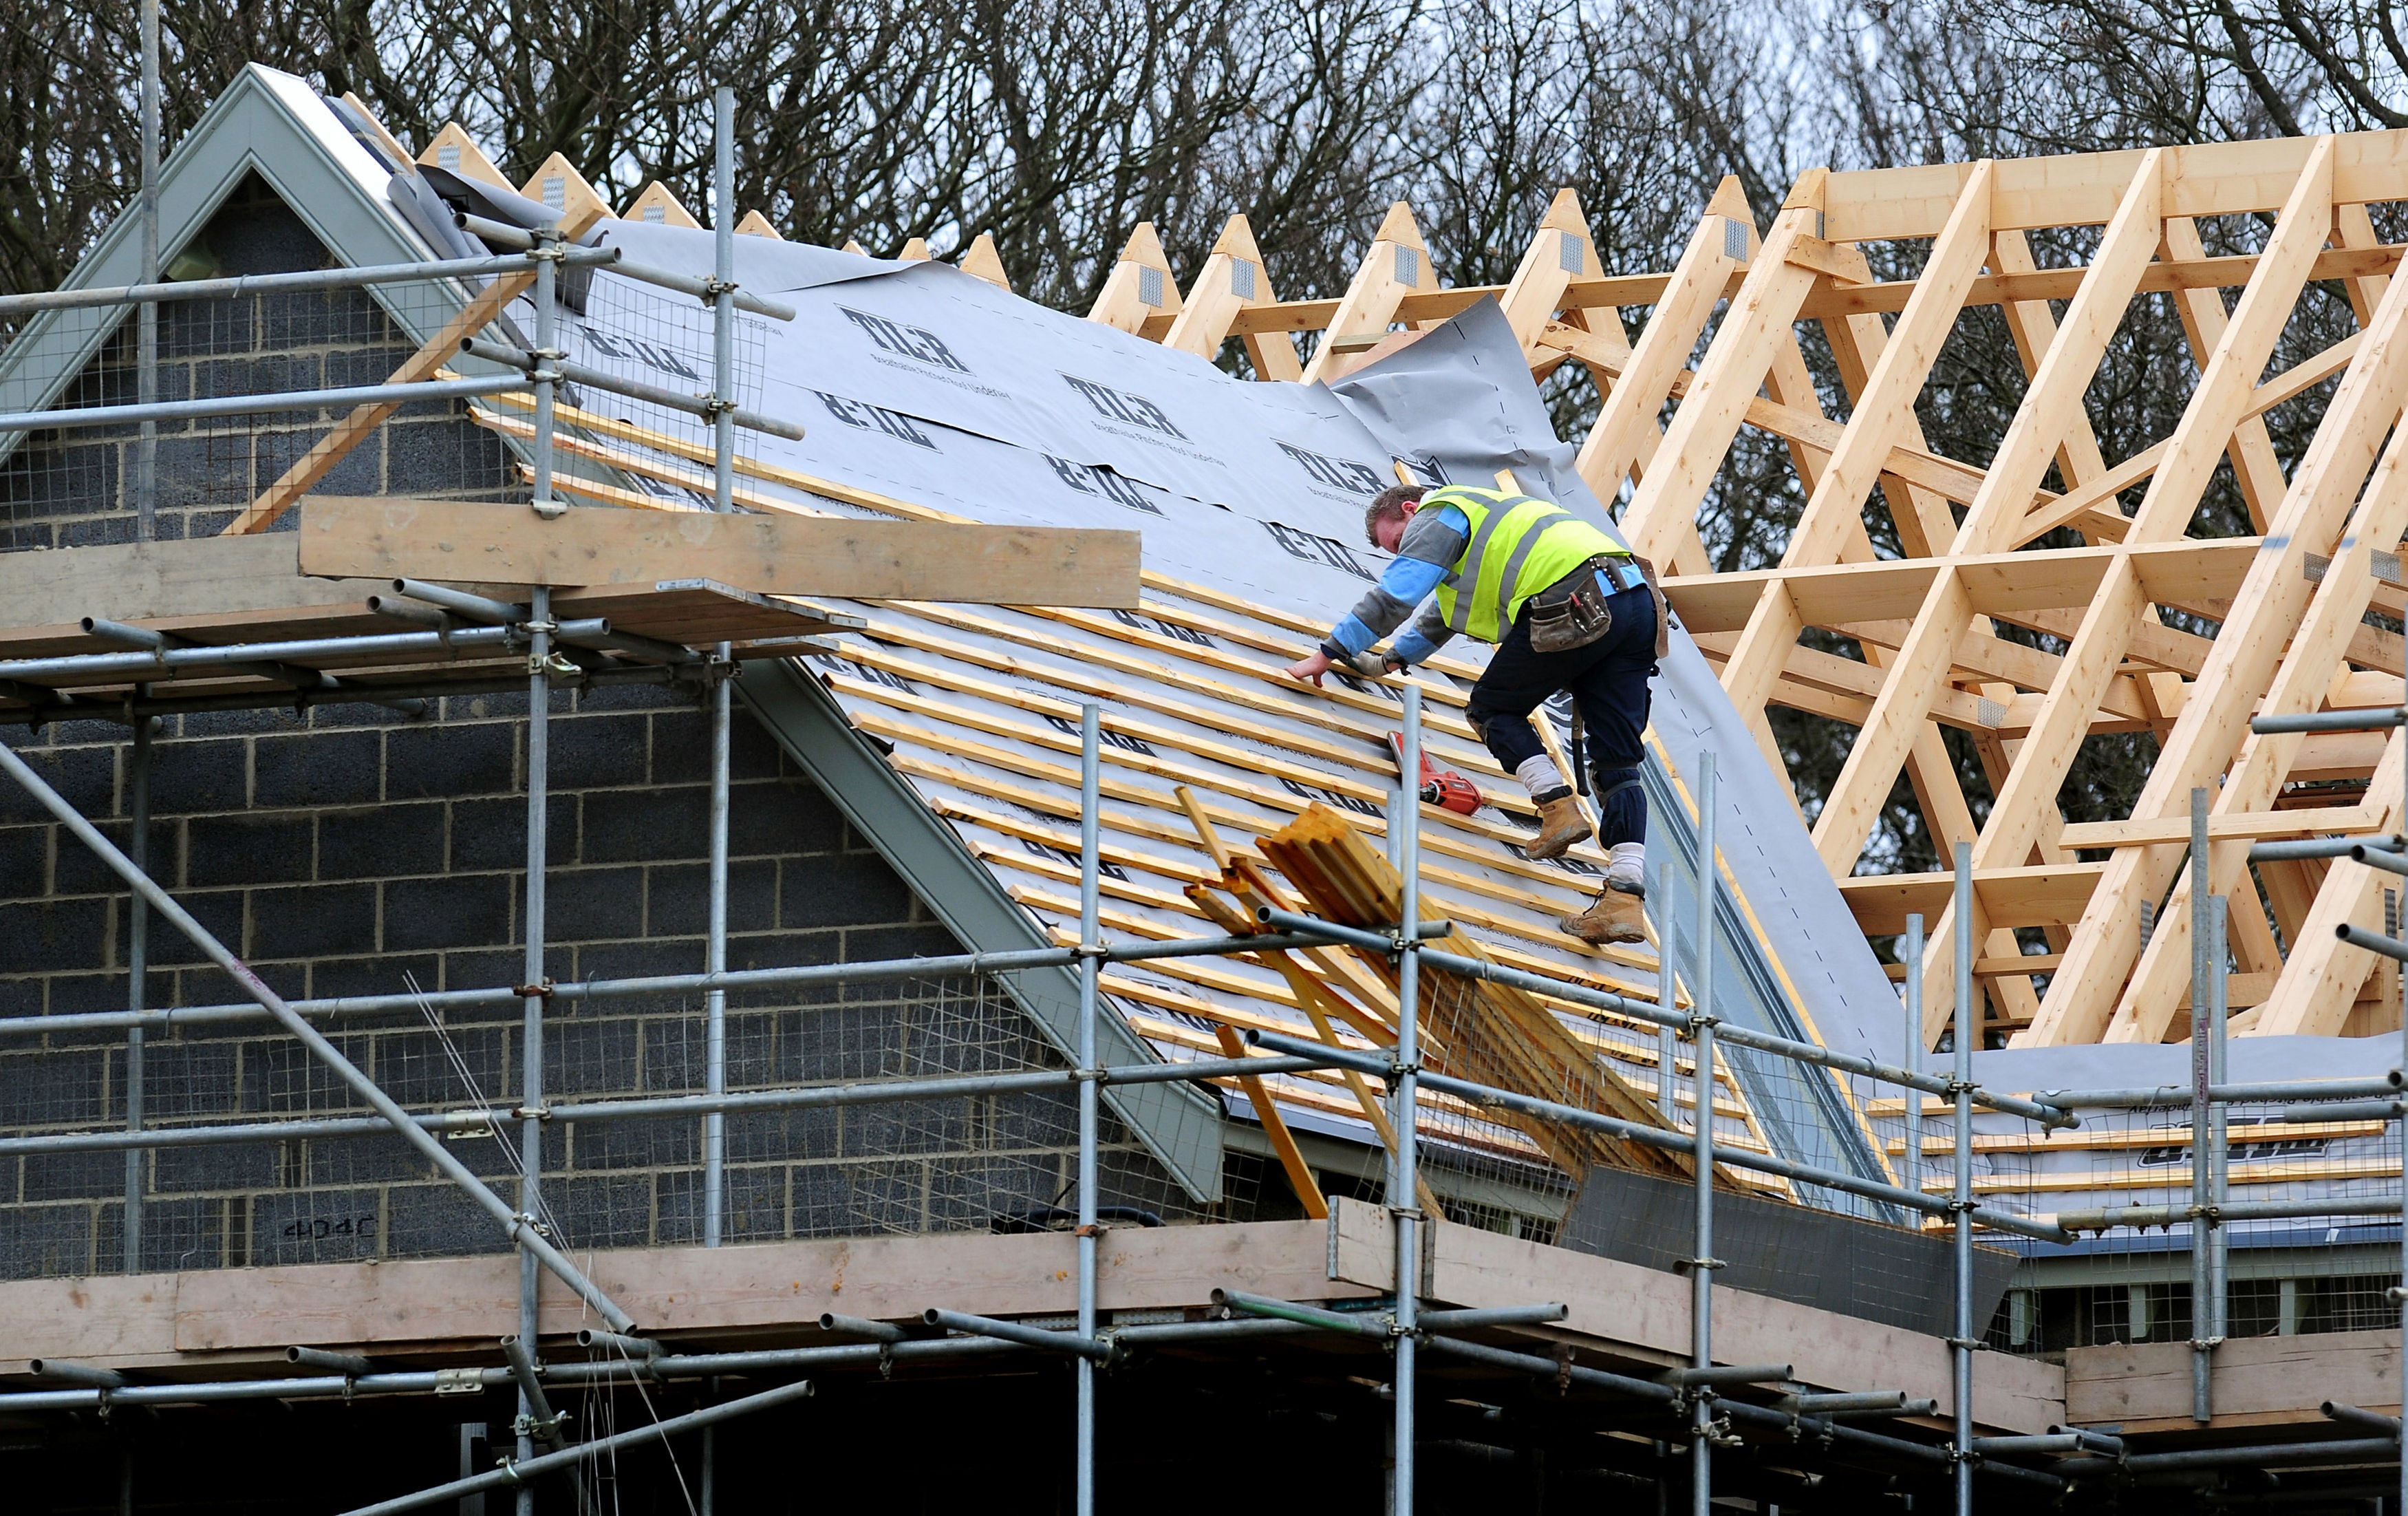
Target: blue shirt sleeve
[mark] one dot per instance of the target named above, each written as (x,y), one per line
(1406,582)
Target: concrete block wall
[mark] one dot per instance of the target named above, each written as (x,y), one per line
(70,487)
(351,851)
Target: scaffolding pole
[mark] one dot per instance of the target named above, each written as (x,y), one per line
(357,275)
(723,324)
(2052,1112)
(2400,1133)
(534,990)
(1404,1179)
(2220,1152)
(1960,1347)
(2203,970)
(1667,998)
(1702,1263)
(2166,1096)
(2143,1216)
(1009,961)
(272,401)
(1091,934)
(464,1124)
(138,970)
(225,659)
(1910,1175)
(723,298)
(665,1367)
(1377,1063)
(1776,1424)
(145,340)
(406,697)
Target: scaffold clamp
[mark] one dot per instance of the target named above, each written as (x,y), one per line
(539,1428)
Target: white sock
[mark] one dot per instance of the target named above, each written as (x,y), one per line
(1539,775)
(1629,863)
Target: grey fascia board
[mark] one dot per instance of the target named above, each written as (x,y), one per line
(1180,1126)
(249,128)
(1364,1159)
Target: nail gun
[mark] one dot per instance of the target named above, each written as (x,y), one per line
(1441,787)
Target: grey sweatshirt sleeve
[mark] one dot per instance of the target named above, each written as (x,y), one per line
(1432,541)
(1433,632)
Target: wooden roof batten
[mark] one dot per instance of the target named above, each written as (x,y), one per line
(2288,600)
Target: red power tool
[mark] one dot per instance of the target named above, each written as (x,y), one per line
(1441,787)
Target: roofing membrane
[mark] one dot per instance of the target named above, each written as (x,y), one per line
(950,396)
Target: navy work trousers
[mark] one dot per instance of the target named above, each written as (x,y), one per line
(1608,680)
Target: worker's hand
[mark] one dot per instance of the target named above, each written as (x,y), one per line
(1371,665)
(1309,670)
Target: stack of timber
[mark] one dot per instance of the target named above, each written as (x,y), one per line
(1470,1029)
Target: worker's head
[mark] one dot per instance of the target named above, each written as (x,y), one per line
(1385,519)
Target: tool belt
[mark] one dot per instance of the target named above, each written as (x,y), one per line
(1573,611)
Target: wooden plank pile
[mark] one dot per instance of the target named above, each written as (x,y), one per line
(1470,1029)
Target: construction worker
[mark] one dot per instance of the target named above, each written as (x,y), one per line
(1569,609)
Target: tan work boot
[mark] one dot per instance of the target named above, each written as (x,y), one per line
(1560,825)
(1614,916)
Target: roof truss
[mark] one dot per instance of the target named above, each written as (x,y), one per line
(2288,601)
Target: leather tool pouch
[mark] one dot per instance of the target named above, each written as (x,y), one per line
(1570,612)
(1663,608)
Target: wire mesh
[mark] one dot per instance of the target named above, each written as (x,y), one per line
(993,1162)
(1002,1161)
(2283,1276)
(73,487)
(619,449)
(655,337)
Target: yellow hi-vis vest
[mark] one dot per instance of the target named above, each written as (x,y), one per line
(1518,545)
